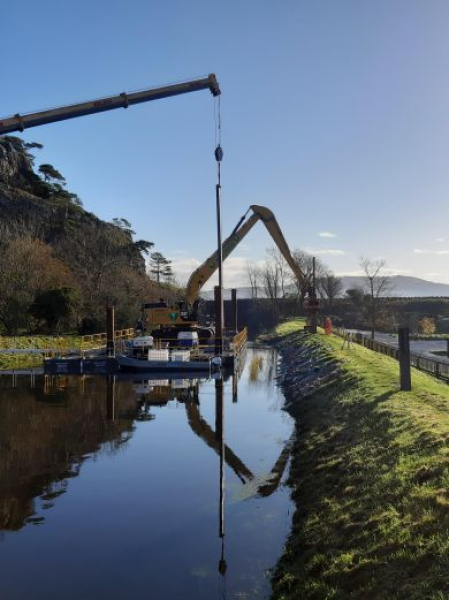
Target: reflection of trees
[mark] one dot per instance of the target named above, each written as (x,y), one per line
(45,438)
(262,369)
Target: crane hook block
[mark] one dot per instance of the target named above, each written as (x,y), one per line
(218,153)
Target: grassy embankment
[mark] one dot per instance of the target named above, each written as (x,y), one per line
(370,481)
(24,361)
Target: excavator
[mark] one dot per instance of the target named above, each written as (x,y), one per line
(184,314)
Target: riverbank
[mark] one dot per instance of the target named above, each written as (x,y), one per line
(369,476)
(22,360)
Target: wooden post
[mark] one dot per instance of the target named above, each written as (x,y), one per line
(110,331)
(234,310)
(234,387)
(404,359)
(218,320)
(447,349)
(110,398)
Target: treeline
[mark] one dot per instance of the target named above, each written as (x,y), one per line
(421,315)
(277,294)
(59,264)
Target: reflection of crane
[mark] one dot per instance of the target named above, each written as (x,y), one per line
(21,122)
(186,312)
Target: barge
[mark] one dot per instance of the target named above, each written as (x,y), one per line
(135,357)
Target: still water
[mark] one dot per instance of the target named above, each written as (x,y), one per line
(132,488)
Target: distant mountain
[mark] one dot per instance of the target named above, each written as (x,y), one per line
(401,286)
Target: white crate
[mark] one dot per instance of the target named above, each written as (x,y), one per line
(158,355)
(180,355)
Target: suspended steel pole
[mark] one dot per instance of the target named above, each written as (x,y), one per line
(219,312)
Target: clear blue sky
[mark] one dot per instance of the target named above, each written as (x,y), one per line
(335,116)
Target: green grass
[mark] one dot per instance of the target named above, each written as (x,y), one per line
(11,361)
(370,480)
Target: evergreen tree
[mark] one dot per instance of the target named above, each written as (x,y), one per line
(160,266)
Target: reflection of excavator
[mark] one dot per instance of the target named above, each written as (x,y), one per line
(186,314)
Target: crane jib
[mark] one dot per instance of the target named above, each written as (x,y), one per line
(20,122)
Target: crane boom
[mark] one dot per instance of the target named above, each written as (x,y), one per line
(20,122)
(210,265)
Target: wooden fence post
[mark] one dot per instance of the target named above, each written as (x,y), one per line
(110,331)
(404,359)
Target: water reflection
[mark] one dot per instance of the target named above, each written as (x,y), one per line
(50,431)
(46,434)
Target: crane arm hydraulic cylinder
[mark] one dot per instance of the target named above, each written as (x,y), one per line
(21,122)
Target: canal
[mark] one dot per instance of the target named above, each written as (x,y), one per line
(131,488)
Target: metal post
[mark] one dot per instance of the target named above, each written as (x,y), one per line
(234,310)
(218,297)
(404,359)
(220,253)
(312,297)
(447,349)
(110,331)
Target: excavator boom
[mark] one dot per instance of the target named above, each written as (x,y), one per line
(260,213)
(185,314)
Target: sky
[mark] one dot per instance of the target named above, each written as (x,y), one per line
(334,116)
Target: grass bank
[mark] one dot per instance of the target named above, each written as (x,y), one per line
(371,483)
(33,342)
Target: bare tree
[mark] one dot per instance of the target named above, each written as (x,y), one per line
(330,287)
(254,277)
(378,284)
(270,281)
(282,268)
(304,260)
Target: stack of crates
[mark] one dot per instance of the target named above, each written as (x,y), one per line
(160,355)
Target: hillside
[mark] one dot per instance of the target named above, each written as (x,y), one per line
(45,232)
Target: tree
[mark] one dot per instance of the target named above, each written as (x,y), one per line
(34,145)
(270,281)
(378,283)
(53,306)
(254,276)
(27,267)
(357,302)
(330,287)
(50,173)
(427,325)
(304,261)
(124,225)
(283,269)
(143,246)
(160,266)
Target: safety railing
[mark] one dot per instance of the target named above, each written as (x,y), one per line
(57,346)
(421,362)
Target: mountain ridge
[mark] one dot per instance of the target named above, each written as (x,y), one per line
(402,286)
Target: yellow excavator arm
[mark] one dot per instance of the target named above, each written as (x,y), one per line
(260,213)
(183,314)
